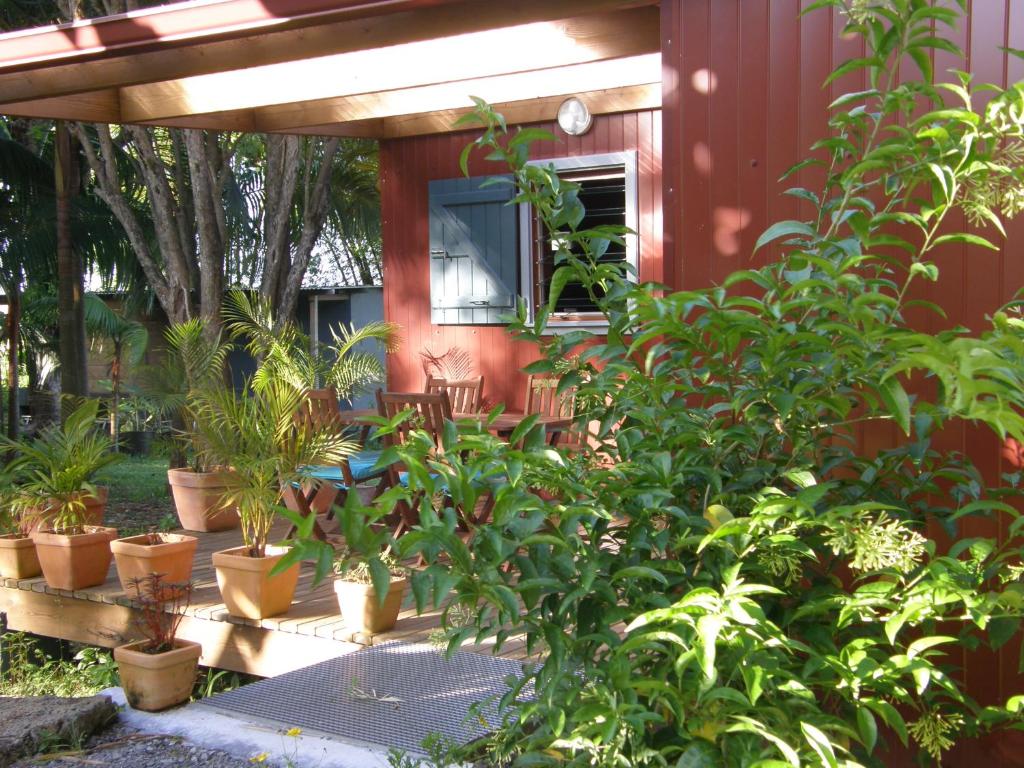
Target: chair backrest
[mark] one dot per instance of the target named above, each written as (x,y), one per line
(466,395)
(320,411)
(543,397)
(432,411)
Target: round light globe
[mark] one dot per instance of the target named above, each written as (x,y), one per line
(574,117)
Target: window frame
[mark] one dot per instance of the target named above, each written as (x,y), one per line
(627,160)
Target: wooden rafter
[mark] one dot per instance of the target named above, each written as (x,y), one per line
(445,59)
(191,39)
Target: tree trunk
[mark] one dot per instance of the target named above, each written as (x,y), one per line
(115,386)
(70,288)
(13,327)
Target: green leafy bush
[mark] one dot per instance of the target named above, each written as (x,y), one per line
(725,577)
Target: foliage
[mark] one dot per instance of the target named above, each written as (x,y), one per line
(160,608)
(257,436)
(350,567)
(286,353)
(195,361)
(54,471)
(128,340)
(30,671)
(727,578)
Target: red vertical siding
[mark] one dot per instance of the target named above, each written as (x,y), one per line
(727,146)
(406,167)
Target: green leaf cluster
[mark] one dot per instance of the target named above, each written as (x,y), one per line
(727,574)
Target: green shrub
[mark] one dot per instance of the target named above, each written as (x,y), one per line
(726,578)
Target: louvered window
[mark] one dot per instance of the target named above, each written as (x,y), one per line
(608,193)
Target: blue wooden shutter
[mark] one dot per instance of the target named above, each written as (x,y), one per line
(474,264)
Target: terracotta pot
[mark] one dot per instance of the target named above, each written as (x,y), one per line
(136,557)
(18,559)
(246,586)
(361,609)
(156,681)
(95,511)
(197,497)
(75,561)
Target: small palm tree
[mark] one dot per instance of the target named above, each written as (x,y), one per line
(194,363)
(286,353)
(128,339)
(257,435)
(54,471)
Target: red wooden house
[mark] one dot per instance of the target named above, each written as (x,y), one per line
(698,108)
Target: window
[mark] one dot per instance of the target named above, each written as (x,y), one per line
(484,254)
(608,193)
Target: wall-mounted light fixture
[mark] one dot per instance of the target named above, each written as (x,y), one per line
(573,117)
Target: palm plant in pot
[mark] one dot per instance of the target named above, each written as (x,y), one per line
(158,671)
(195,363)
(257,435)
(18,559)
(55,496)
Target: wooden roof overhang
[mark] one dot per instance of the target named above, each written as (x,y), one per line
(374,68)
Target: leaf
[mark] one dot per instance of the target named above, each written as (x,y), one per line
(922,644)
(890,715)
(381,578)
(708,627)
(783,229)
(896,400)
(964,237)
(819,743)
(699,754)
(868,728)
(639,572)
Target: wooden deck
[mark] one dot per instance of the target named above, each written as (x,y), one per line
(311,631)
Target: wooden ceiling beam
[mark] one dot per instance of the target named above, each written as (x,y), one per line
(95,107)
(474,55)
(538,84)
(600,102)
(32,68)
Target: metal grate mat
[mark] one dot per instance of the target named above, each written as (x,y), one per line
(392,695)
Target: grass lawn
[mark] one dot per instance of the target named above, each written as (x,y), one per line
(139,498)
(136,479)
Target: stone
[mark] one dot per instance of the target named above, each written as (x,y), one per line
(27,722)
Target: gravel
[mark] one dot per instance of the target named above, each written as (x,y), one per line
(122,747)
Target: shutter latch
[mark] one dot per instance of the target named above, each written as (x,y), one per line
(481,303)
(443,254)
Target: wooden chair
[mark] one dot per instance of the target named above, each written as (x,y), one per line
(543,397)
(431,411)
(466,395)
(320,412)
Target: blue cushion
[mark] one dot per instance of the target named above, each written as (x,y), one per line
(361,464)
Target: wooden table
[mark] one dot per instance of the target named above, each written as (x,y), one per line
(503,425)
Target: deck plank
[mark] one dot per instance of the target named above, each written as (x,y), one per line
(312,630)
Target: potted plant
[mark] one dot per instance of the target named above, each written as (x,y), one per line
(53,472)
(362,607)
(18,559)
(169,554)
(194,362)
(158,671)
(257,436)
(138,422)
(54,493)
